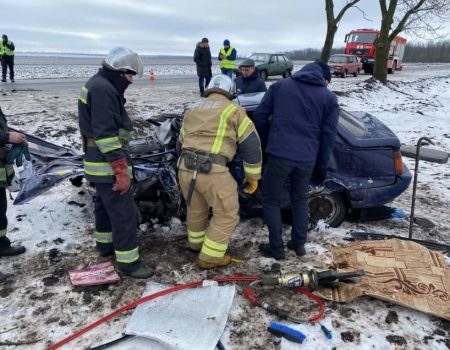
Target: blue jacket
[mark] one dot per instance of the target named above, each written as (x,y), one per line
(304,118)
(253,83)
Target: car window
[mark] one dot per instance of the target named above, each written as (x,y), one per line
(260,57)
(352,124)
(337,59)
(273,59)
(281,59)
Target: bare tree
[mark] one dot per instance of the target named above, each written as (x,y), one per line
(420,16)
(332,25)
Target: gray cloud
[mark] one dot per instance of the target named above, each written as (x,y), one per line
(174,26)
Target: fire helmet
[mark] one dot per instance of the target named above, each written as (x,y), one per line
(222,84)
(124,60)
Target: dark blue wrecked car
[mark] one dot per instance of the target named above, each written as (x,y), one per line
(365,171)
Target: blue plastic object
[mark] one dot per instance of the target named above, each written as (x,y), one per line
(281,330)
(326,331)
(398,213)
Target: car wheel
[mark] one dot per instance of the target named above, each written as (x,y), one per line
(287,73)
(329,207)
(344,74)
(263,75)
(356,73)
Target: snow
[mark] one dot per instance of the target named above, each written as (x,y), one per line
(57,228)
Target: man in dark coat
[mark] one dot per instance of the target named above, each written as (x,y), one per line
(202,57)
(300,140)
(249,80)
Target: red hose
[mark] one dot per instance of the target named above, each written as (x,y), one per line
(318,301)
(145,299)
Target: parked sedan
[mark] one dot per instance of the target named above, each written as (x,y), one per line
(342,65)
(269,64)
(365,171)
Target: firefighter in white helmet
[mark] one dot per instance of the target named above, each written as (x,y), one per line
(212,130)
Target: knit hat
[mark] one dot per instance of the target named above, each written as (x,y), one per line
(247,63)
(325,69)
(205,40)
(226,42)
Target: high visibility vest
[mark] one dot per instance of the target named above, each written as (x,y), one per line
(225,63)
(4,50)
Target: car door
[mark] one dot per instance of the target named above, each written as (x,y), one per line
(272,66)
(282,64)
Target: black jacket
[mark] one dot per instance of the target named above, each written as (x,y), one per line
(202,57)
(253,83)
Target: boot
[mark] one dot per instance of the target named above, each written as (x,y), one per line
(269,252)
(142,272)
(209,265)
(11,251)
(299,250)
(3,277)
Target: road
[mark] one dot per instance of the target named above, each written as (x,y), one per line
(76,83)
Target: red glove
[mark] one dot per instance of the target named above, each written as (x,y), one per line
(123,182)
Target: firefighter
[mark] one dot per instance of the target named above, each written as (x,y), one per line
(212,130)
(106,130)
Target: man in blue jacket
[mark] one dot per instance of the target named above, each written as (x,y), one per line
(249,81)
(300,139)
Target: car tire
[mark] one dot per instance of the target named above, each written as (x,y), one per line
(263,75)
(344,74)
(329,207)
(356,73)
(287,73)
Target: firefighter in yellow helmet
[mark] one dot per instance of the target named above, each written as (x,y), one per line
(212,130)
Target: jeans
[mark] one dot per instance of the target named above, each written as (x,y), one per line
(228,72)
(7,62)
(277,173)
(203,81)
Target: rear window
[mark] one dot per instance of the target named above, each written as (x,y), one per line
(260,57)
(351,123)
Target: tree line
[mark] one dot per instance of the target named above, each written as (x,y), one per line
(430,52)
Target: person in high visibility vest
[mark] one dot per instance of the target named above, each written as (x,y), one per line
(7,54)
(106,129)
(227,58)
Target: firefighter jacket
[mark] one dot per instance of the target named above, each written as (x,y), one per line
(7,49)
(230,58)
(6,170)
(215,125)
(104,124)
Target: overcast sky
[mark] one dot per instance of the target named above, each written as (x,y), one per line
(156,27)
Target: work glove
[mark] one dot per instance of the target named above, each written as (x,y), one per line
(251,186)
(16,154)
(319,175)
(123,182)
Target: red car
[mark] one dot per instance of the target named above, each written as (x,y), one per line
(344,64)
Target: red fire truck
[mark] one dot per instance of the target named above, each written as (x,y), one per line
(360,42)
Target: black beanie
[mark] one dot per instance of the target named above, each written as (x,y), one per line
(325,69)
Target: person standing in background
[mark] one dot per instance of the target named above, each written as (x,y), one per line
(7,54)
(202,58)
(227,58)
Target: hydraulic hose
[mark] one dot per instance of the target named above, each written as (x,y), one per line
(137,302)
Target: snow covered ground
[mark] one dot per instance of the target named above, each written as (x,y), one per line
(39,306)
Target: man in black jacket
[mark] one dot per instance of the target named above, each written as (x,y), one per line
(249,81)
(202,57)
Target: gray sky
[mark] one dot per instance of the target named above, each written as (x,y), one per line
(174,26)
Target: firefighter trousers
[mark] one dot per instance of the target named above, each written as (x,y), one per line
(216,190)
(115,226)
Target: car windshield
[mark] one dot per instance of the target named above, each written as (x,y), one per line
(352,124)
(260,57)
(362,38)
(338,59)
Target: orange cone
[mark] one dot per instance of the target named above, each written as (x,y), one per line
(152,74)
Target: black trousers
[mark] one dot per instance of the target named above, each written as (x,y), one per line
(4,241)
(117,214)
(8,62)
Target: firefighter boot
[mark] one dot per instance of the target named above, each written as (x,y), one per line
(142,272)
(209,265)
(7,250)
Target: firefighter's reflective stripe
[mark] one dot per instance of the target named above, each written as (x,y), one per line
(225,63)
(102,169)
(243,127)
(218,140)
(108,144)
(214,249)
(3,233)
(6,50)
(196,237)
(127,256)
(103,237)
(5,172)
(83,95)
(125,134)
(182,132)
(251,169)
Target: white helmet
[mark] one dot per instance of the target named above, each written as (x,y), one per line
(124,60)
(222,84)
